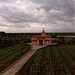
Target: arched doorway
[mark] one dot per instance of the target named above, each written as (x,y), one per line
(40,42)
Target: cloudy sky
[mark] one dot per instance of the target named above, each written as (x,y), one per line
(34,15)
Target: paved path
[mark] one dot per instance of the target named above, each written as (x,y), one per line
(15,68)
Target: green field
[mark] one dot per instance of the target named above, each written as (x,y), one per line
(51,60)
(9,55)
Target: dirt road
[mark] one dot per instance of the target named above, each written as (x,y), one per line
(15,68)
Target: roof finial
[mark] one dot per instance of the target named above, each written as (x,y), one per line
(43,34)
(43,28)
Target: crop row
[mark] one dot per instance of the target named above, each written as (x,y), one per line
(52,60)
(11,54)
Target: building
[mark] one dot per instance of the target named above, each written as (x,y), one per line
(42,39)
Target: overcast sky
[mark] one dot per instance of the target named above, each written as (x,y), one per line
(34,15)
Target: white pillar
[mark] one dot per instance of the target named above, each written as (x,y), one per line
(43,42)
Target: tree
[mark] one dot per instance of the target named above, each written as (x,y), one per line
(73,40)
(2,33)
(61,40)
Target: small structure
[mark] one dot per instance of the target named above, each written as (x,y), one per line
(41,40)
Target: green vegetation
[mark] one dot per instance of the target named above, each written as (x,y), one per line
(51,60)
(66,40)
(9,39)
(9,55)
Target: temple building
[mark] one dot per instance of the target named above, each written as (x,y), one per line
(42,39)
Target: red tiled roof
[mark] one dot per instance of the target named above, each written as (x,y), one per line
(39,36)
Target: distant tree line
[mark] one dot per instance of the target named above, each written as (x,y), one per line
(65,40)
(8,40)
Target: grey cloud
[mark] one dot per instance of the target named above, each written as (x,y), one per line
(7,1)
(3,25)
(69,7)
(17,16)
(15,25)
(66,6)
(62,17)
(61,27)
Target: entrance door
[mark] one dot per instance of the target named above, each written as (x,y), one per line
(40,42)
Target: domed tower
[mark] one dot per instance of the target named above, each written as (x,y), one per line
(43,34)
